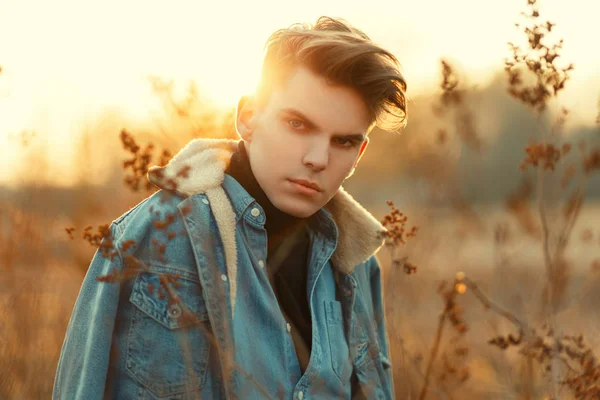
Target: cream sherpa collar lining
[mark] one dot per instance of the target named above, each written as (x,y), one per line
(200,167)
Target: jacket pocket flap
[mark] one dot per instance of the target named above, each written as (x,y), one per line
(176,304)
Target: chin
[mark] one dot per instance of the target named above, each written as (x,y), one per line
(296,210)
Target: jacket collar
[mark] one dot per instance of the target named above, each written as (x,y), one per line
(200,167)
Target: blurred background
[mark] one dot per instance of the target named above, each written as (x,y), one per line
(76,74)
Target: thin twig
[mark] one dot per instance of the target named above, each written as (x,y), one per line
(544,221)
(550,270)
(416,363)
(433,355)
(488,303)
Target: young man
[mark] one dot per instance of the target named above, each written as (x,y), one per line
(253,271)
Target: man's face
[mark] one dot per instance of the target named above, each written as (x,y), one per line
(308,130)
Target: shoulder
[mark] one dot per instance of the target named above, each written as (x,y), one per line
(156,207)
(155,234)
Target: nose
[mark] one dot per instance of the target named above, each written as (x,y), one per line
(317,156)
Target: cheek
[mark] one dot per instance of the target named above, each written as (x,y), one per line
(341,171)
(284,146)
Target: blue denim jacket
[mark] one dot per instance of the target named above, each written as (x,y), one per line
(224,336)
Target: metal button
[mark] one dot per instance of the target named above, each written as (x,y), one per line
(289,327)
(300,395)
(223,277)
(261,263)
(255,212)
(205,201)
(174,311)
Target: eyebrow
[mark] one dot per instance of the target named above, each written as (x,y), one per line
(298,114)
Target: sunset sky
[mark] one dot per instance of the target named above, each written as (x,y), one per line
(65,60)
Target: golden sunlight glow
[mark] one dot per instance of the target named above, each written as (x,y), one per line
(64,61)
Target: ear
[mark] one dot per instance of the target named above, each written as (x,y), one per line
(244,119)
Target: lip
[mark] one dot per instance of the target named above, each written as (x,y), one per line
(307,183)
(304,189)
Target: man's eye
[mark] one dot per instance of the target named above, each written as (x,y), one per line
(346,142)
(295,123)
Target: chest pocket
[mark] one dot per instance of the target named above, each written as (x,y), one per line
(167,347)
(338,345)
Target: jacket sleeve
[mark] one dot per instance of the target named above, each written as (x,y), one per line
(380,324)
(84,358)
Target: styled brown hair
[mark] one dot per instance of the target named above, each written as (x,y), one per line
(343,55)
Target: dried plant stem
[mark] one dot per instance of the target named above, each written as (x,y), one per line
(433,355)
(544,221)
(523,327)
(564,236)
(406,354)
(550,282)
(488,303)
